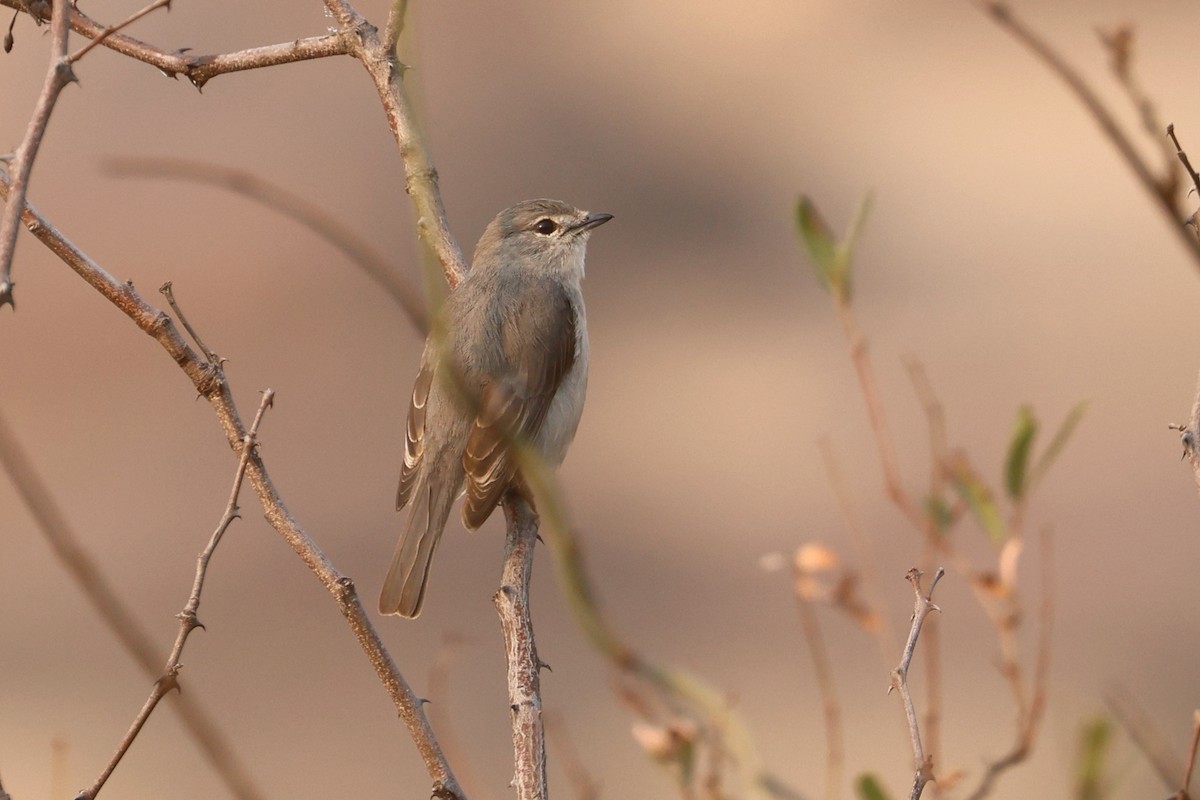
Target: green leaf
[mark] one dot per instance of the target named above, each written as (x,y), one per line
(939,513)
(868,788)
(1017,463)
(1094,741)
(818,238)
(978,498)
(1061,436)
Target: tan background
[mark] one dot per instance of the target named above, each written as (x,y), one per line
(1008,249)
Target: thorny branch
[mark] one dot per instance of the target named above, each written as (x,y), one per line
(210,382)
(188,620)
(921,608)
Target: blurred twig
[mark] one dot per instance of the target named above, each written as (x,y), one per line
(1158,187)
(559,738)
(1146,736)
(439,713)
(188,620)
(294,206)
(121,621)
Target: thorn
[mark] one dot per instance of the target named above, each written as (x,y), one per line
(423,701)
(543,665)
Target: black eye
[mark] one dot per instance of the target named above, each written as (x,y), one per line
(545,226)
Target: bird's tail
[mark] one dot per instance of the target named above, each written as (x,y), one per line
(404,587)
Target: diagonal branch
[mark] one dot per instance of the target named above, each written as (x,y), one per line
(199,69)
(209,380)
(922,606)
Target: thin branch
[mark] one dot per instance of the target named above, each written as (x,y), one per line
(421,180)
(921,608)
(169,293)
(209,380)
(1119,43)
(58,75)
(188,621)
(199,69)
(1003,15)
(832,710)
(1183,158)
(109,31)
(520,650)
(1145,735)
(296,207)
(121,621)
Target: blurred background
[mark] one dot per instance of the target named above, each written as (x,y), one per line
(1008,249)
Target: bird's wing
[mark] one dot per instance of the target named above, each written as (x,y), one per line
(414,433)
(539,340)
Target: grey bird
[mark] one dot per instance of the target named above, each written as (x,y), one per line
(507,362)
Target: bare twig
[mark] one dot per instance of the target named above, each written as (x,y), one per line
(199,69)
(209,381)
(395,24)
(169,293)
(1003,15)
(1183,158)
(520,650)
(421,181)
(921,608)
(58,75)
(188,621)
(309,214)
(109,31)
(121,621)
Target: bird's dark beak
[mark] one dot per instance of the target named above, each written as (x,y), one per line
(592,220)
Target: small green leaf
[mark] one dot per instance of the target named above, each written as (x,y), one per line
(818,238)
(1061,436)
(1094,741)
(1017,463)
(978,498)
(868,788)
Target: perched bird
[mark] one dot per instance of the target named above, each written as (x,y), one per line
(507,361)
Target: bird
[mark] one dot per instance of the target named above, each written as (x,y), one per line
(506,363)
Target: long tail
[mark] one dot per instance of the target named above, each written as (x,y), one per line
(404,587)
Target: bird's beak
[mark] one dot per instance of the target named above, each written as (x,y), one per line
(592,220)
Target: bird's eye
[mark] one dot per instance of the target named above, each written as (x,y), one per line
(545,226)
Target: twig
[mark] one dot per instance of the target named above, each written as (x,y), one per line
(395,24)
(1183,157)
(832,710)
(58,75)
(520,650)
(167,292)
(109,31)
(921,608)
(121,621)
(210,382)
(199,69)
(1119,44)
(1003,15)
(1148,739)
(296,207)
(421,181)
(188,621)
